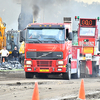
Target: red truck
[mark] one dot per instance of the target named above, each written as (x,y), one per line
(48,49)
(86,52)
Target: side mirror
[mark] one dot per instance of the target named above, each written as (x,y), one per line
(70,36)
(67,33)
(21,37)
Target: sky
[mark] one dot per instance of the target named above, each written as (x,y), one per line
(51,12)
(9,12)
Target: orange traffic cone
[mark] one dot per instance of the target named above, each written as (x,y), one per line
(35,92)
(3,60)
(82,91)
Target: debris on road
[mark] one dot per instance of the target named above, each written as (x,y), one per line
(10,65)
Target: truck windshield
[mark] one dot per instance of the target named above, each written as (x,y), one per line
(45,35)
(87,31)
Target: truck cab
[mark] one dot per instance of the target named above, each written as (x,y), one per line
(87,46)
(48,49)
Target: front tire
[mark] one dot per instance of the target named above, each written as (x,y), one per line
(67,75)
(28,75)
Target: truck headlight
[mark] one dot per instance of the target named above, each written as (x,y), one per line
(29,62)
(60,62)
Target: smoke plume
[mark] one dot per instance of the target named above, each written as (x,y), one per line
(35,11)
(46,11)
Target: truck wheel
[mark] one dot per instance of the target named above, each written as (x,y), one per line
(94,72)
(28,75)
(78,74)
(67,75)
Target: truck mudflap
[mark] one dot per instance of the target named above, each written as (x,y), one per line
(45,70)
(74,65)
(75,69)
(89,67)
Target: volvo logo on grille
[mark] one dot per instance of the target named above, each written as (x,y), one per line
(58,55)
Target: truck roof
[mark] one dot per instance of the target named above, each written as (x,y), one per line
(45,25)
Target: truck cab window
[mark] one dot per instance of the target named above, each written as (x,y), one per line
(87,31)
(49,35)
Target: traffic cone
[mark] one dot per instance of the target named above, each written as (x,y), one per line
(3,60)
(82,91)
(35,92)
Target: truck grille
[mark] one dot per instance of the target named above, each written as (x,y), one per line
(44,63)
(44,55)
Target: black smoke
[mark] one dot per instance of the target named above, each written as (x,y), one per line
(54,10)
(35,11)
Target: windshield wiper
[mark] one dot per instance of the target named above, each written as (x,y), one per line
(37,39)
(52,38)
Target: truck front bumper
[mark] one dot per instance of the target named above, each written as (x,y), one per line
(45,70)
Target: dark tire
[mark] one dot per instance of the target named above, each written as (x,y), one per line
(28,75)
(95,69)
(67,75)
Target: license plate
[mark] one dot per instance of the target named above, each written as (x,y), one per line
(44,70)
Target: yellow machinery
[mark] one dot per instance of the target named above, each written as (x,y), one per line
(21,49)
(12,39)
(2,34)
